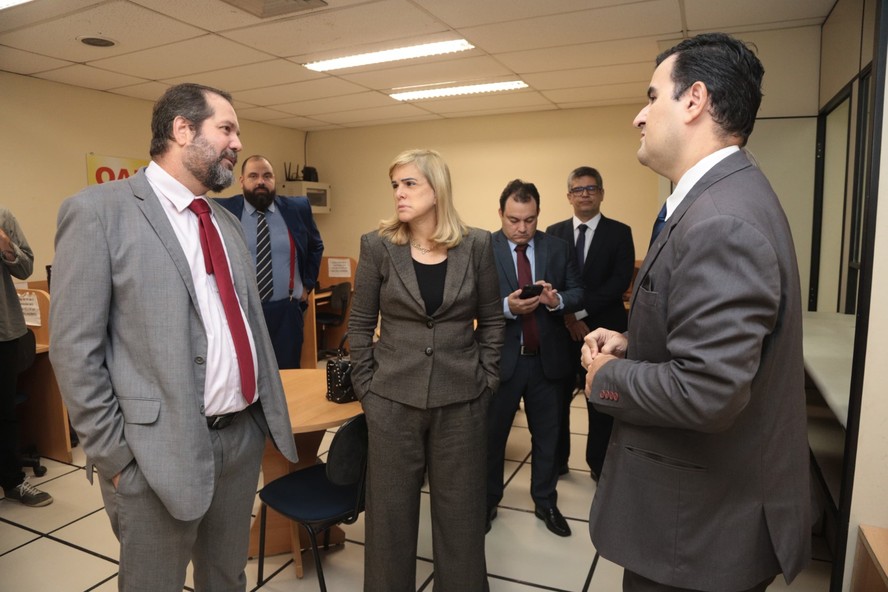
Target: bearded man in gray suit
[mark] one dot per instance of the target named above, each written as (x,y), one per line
(706,483)
(166,368)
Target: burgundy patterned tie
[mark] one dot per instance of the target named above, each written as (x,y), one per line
(528,321)
(217,264)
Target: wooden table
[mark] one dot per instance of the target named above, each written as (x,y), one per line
(311,414)
(871,560)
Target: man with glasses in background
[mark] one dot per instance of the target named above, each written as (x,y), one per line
(605,255)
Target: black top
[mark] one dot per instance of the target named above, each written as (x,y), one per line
(431,283)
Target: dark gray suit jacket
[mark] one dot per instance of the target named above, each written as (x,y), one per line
(607,271)
(424,361)
(554,264)
(127,343)
(705,485)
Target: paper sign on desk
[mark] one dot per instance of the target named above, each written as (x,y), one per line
(30,308)
(339,268)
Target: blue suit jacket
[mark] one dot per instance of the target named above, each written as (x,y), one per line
(553,263)
(296,212)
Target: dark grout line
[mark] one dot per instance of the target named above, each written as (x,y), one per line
(102,583)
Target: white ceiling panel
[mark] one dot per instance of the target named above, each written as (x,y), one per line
(39,11)
(572,53)
(641,19)
(89,77)
(455,69)
(708,15)
(605,53)
(600,76)
(251,76)
(202,54)
(365,100)
(298,91)
(131,26)
(328,30)
(25,62)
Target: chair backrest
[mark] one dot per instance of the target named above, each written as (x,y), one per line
(347,457)
(27,351)
(339,299)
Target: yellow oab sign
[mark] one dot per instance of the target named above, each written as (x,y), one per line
(101,169)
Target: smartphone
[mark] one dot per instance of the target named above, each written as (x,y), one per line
(531,290)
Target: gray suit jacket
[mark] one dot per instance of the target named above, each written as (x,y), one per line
(424,361)
(705,485)
(553,263)
(127,343)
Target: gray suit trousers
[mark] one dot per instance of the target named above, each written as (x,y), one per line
(155,547)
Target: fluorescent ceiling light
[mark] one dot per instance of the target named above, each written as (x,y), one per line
(453,91)
(11,3)
(391,55)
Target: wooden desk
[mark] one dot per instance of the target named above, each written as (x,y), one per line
(828,343)
(43,417)
(871,560)
(311,414)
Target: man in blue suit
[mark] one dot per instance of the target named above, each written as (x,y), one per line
(538,354)
(294,248)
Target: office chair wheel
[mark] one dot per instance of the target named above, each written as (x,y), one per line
(39,471)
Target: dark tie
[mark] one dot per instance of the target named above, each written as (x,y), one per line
(659,224)
(528,321)
(263,258)
(581,245)
(217,264)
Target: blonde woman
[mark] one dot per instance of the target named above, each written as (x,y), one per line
(426,384)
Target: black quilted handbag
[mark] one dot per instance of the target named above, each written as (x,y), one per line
(339,384)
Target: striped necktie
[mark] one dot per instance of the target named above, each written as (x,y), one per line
(263,258)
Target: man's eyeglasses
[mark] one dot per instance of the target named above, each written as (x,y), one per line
(590,189)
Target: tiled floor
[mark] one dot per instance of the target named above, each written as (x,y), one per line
(68,546)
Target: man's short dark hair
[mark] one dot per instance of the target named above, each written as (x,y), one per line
(521,192)
(188,100)
(731,72)
(585,171)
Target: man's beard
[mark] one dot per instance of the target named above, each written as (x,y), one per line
(207,167)
(260,199)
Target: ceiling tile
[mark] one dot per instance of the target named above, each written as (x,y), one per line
(305,124)
(326,30)
(605,53)
(89,77)
(640,19)
(25,62)
(365,100)
(251,76)
(634,91)
(132,27)
(600,76)
(711,15)
(467,13)
(261,114)
(298,91)
(389,112)
(485,101)
(202,54)
(451,70)
(150,91)
(40,10)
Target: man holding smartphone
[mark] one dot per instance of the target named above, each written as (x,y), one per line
(539,283)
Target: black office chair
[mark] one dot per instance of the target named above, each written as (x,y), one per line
(323,495)
(26,354)
(333,315)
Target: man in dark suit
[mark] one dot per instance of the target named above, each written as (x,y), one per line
(288,271)
(537,355)
(160,350)
(605,255)
(706,484)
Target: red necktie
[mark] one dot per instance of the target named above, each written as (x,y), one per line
(528,321)
(217,264)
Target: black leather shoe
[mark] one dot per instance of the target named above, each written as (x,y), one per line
(555,522)
(491,514)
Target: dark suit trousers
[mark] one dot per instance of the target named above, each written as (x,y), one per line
(600,424)
(11,474)
(542,406)
(405,443)
(632,582)
(285,327)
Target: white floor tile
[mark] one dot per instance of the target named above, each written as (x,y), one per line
(12,536)
(53,469)
(92,532)
(48,565)
(73,498)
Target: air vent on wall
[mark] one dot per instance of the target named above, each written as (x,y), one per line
(267,8)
